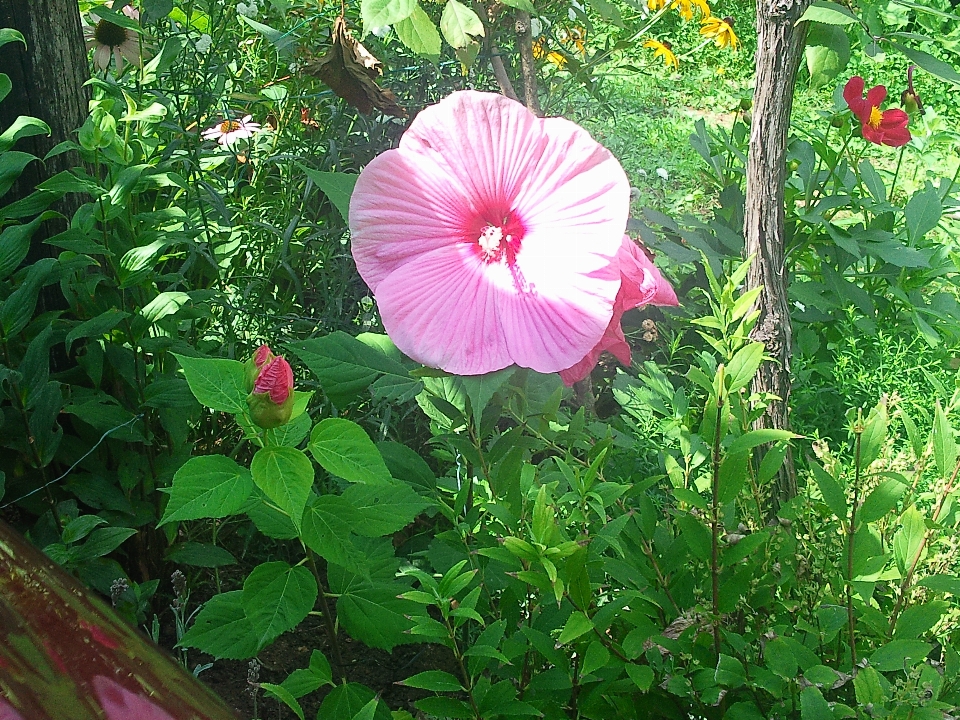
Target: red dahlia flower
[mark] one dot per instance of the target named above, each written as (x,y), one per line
(887,127)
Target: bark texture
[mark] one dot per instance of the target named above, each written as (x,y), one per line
(528,65)
(779,49)
(48,77)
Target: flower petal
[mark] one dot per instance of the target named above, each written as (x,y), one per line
(853,93)
(876,95)
(450,309)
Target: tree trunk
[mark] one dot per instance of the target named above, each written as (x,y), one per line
(779,49)
(48,79)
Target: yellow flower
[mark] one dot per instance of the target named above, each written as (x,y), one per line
(686,8)
(721,31)
(576,36)
(664,50)
(655,5)
(540,53)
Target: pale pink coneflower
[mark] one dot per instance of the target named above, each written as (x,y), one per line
(490,236)
(108,39)
(640,284)
(229,131)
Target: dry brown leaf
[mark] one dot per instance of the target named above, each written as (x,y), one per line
(349,69)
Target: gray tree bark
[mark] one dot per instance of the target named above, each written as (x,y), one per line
(48,79)
(780,45)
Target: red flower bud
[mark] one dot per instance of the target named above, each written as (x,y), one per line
(271,395)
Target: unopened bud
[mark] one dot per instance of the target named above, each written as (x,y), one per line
(911,102)
(261,357)
(271,400)
(746,104)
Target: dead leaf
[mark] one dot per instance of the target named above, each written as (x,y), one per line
(349,69)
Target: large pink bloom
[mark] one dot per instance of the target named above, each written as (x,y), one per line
(641,284)
(489,237)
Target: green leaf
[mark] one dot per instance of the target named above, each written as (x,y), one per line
(827,53)
(596,657)
(207,486)
(419,34)
(459,24)
(18,308)
(285,475)
(345,701)
(102,542)
(373,614)
(15,243)
(577,624)
(641,675)
(281,693)
(345,450)
(480,388)
(200,555)
(942,583)
(23,126)
(917,620)
(164,304)
(753,438)
(338,187)
(222,629)
(277,597)
(346,367)
(928,62)
(813,706)
(908,540)
(729,672)
(435,680)
(524,5)
(732,476)
(696,536)
(868,687)
(899,655)
(327,524)
(383,509)
(9,35)
(217,384)
(881,500)
(306,680)
(96,327)
(78,528)
(830,13)
(445,707)
(779,657)
(380,13)
(874,435)
(922,213)
(12,164)
(744,365)
(944,443)
(833,495)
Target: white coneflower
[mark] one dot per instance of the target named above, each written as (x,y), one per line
(204,44)
(249,10)
(229,131)
(106,38)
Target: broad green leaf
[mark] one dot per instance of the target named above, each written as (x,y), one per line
(733,475)
(23,126)
(641,675)
(407,465)
(164,304)
(305,680)
(779,658)
(445,707)
(874,435)
(813,706)
(285,475)
(78,528)
(744,365)
(338,187)
(908,540)
(480,388)
(200,555)
(383,509)
(942,583)
(524,5)
(346,367)
(380,13)
(696,535)
(881,500)
(833,494)
(830,13)
(374,615)
(435,680)
(944,443)
(917,620)
(419,33)
(344,449)
(12,164)
(222,629)
(345,701)
(281,693)
(9,35)
(207,486)
(827,53)
(753,438)
(577,624)
(102,541)
(459,24)
(217,384)
(327,524)
(868,687)
(277,597)
(729,672)
(15,243)
(17,310)
(928,62)
(96,327)
(922,213)
(596,657)
(899,655)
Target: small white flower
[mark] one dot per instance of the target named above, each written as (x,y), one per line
(642,172)
(204,43)
(381,32)
(229,131)
(662,173)
(536,27)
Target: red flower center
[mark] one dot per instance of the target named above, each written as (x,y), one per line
(498,240)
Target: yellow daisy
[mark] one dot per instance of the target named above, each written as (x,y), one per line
(576,36)
(664,50)
(655,5)
(540,53)
(721,31)
(686,8)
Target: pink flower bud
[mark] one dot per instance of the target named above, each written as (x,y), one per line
(270,380)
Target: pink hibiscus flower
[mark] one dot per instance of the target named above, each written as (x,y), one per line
(118,703)
(489,237)
(641,284)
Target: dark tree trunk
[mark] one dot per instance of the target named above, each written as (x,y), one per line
(779,49)
(528,65)
(48,79)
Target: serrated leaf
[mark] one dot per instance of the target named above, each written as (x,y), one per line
(285,475)
(419,34)
(338,187)
(216,383)
(459,24)
(383,509)
(222,629)
(380,13)
(435,680)
(344,449)
(207,486)
(277,597)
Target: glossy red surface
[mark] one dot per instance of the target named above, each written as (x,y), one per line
(64,655)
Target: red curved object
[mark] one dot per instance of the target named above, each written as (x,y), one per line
(64,655)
